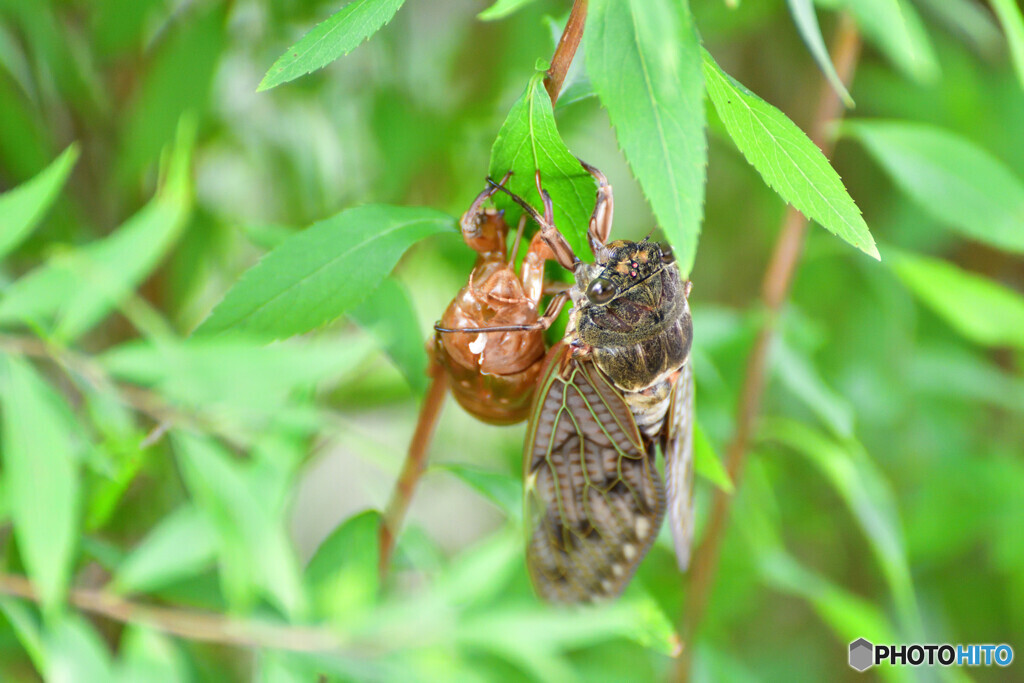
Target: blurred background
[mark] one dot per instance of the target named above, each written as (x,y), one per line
(883,494)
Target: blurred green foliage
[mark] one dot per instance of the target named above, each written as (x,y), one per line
(224,477)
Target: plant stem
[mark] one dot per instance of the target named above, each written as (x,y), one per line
(415,463)
(775,288)
(430,412)
(566,49)
(192,625)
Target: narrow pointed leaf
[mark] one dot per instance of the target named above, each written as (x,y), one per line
(388,315)
(786,158)
(955,181)
(40,471)
(869,497)
(183,544)
(897,30)
(501,9)
(807,24)
(983,311)
(76,290)
(330,39)
(529,141)
(319,274)
(644,60)
(342,577)
(1009,13)
(22,208)
(707,463)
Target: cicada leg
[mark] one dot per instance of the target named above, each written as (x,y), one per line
(563,253)
(532,271)
(551,313)
(604,208)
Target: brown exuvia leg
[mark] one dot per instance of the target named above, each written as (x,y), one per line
(544,322)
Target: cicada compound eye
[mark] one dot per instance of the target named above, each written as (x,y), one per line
(601,291)
(667,256)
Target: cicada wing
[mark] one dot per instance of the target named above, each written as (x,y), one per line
(594,498)
(677,446)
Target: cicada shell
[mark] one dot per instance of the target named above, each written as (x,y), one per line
(490,340)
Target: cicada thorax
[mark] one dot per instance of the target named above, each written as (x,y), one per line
(493,374)
(643,332)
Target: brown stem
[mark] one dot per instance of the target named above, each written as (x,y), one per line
(777,279)
(415,462)
(566,49)
(192,625)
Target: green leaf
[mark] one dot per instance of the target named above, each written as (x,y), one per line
(75,652)
(22,208)
(897,30)
(956,182)
(342,577)
(176,83)
(41,479)
(504,491)
(707,463)
(321,273)
(330,39)
(25,625)
(77,289)
(848,615)
(644,59)
(869,497)
(501,9)
(254,552)
(1009,14)
(388,315)
(218,373)
(983,311)
(529,141)
(807,23)
(183,544)
(786,158)
(799,376)
(151,657)
(970,20)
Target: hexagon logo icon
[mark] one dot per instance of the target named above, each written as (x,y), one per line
(861,654)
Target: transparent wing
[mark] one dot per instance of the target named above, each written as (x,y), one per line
(678,449)
(594,497)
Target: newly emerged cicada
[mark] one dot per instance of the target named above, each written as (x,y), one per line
(616,386)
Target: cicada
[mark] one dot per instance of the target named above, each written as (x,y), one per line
(618,385)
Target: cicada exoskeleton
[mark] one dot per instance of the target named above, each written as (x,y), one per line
(617,385)
(490,340)
(488,347)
